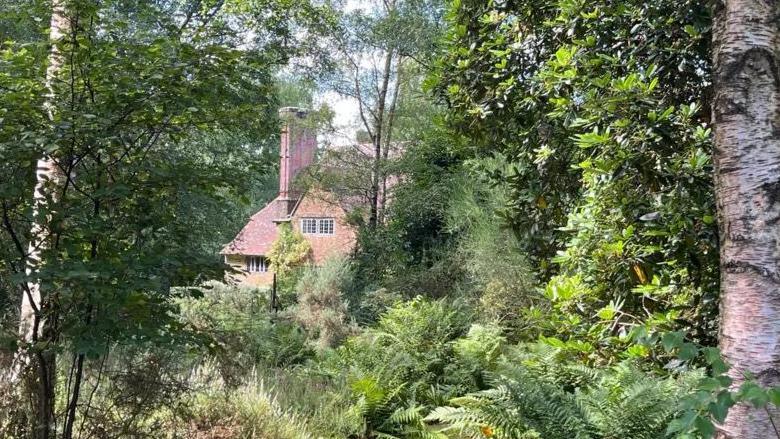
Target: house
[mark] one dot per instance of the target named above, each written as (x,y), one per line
(315,214)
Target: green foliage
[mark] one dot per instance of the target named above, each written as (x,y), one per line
(566,197)
(268,403)
(504,285)
(241,331)
(321,308)
(134,389)
(708,403)
(538,393)
(288,254)
(601,109)
(403,362)
(478,353)
(145,102)
(157,139)
(250,411)
(410,253)
(369,306)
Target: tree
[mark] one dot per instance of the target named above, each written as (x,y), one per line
(746,110)
(373,47)
(288,254)
(33,325)
(601,108)
(135,94)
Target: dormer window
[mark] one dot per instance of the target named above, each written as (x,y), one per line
(318,226)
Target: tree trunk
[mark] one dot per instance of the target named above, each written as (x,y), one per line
(379,126)
(46,175)
(388,140)
(39,363)
(746,109)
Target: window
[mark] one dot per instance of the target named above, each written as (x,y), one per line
(325,226)
(256,264)
(318,226)
(309,225)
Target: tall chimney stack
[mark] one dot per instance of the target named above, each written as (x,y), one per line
(296,152)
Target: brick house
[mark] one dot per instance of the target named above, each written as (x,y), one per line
(315,214)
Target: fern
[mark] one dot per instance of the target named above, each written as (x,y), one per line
(540,396)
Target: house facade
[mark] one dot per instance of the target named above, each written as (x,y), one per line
(314,214)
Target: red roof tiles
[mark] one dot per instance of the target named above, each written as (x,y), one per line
(260,232)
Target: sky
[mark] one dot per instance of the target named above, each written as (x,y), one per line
(346,120)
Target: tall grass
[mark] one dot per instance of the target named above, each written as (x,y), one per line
(271,403)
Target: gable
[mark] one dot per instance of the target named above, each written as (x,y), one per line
(260,232)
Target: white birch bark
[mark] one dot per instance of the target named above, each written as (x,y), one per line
(746,112)
(47,177)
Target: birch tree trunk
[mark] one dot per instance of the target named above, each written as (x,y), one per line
(46,176)
(388,140)
(746,111)
(377,173)
(40,365)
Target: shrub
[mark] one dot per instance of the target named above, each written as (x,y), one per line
(321,308)
(497,270)
(477,353)
(242,331)
(250,411)
(288,254)
(371,305)
(401,363)
(271,403)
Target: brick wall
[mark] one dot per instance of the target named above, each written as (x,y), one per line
(317,204)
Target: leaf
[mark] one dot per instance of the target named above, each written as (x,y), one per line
(671,340)
(593,138)
(688,351)
(652,216)
(682,423)
(774,395)
(606,313)
(563,56)
(720,407)
(754,394)
(704,427)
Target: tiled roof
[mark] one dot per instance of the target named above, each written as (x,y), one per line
(260,232)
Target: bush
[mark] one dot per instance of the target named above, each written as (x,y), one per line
(271,403)
(321,308)
(250,411)
(134,391)
(288,255)
(477,353)
(497,270)
(242,331)
(401,363)
(371,305)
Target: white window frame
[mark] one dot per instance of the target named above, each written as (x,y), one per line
(318,226)
(326,226)
(257,264)
(309,226)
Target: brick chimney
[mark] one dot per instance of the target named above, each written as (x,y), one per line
(298,146)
